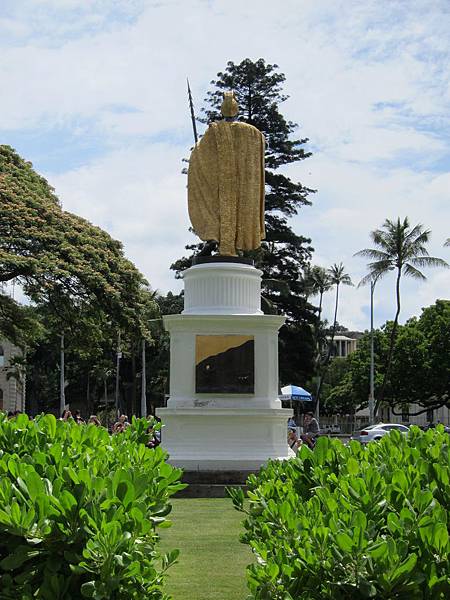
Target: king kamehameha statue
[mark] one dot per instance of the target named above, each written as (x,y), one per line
(226,183)
(223,418)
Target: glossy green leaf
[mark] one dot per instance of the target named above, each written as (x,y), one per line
(344,541)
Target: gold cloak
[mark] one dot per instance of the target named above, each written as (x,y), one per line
(226,186)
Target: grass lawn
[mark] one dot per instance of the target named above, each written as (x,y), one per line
(212,561)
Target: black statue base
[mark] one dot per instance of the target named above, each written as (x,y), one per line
(218,258)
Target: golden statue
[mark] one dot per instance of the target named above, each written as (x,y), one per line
(226,183)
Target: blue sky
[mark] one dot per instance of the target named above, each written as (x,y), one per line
(93,93)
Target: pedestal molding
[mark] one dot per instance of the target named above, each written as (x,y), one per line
(232,323)
(222,288)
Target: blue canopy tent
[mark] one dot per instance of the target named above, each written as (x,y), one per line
(295,393)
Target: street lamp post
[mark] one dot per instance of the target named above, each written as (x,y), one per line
(143,383)
(118,357)
(62,394)
(372,359)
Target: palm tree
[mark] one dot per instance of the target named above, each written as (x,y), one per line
(402,249)
(336,276)
(317,282)
(320,283)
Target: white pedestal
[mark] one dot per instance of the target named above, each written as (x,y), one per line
(222,289)
(223,432)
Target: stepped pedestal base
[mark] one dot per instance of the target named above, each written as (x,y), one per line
(221,439)
(223,413)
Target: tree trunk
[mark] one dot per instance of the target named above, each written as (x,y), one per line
(391,344)
(330,347)
(319,355)
(335,314)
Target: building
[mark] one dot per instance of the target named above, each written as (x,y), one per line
(345,343)
(438,415)
(12,391)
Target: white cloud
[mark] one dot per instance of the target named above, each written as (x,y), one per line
(139,196)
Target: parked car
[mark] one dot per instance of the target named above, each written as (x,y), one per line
(376,432)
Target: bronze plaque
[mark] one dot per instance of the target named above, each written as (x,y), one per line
(225,364)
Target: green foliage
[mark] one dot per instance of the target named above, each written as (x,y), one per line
(434,324)
(346,384)
(60,258)
(79,511)
(336,389)
(158,352)
(420,369)
(19,324)
(90,347)
(350,523)
(80,284)
(420,366)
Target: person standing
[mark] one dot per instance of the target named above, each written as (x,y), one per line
(310,429)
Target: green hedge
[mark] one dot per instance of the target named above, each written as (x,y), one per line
(348,522)
(79,511)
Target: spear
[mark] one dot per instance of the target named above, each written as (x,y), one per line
(191,106)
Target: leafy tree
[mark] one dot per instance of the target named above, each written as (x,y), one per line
(409,372)
(54,254)
(77,277)
(89,339)
(90,357)
(420,368)
(171,304)
(158,354)
(18,323)
(345,387)
(336,391)
(434,322)
(284,255)
(359,366)
(400,248)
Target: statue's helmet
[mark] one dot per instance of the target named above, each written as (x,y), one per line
(230,107)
